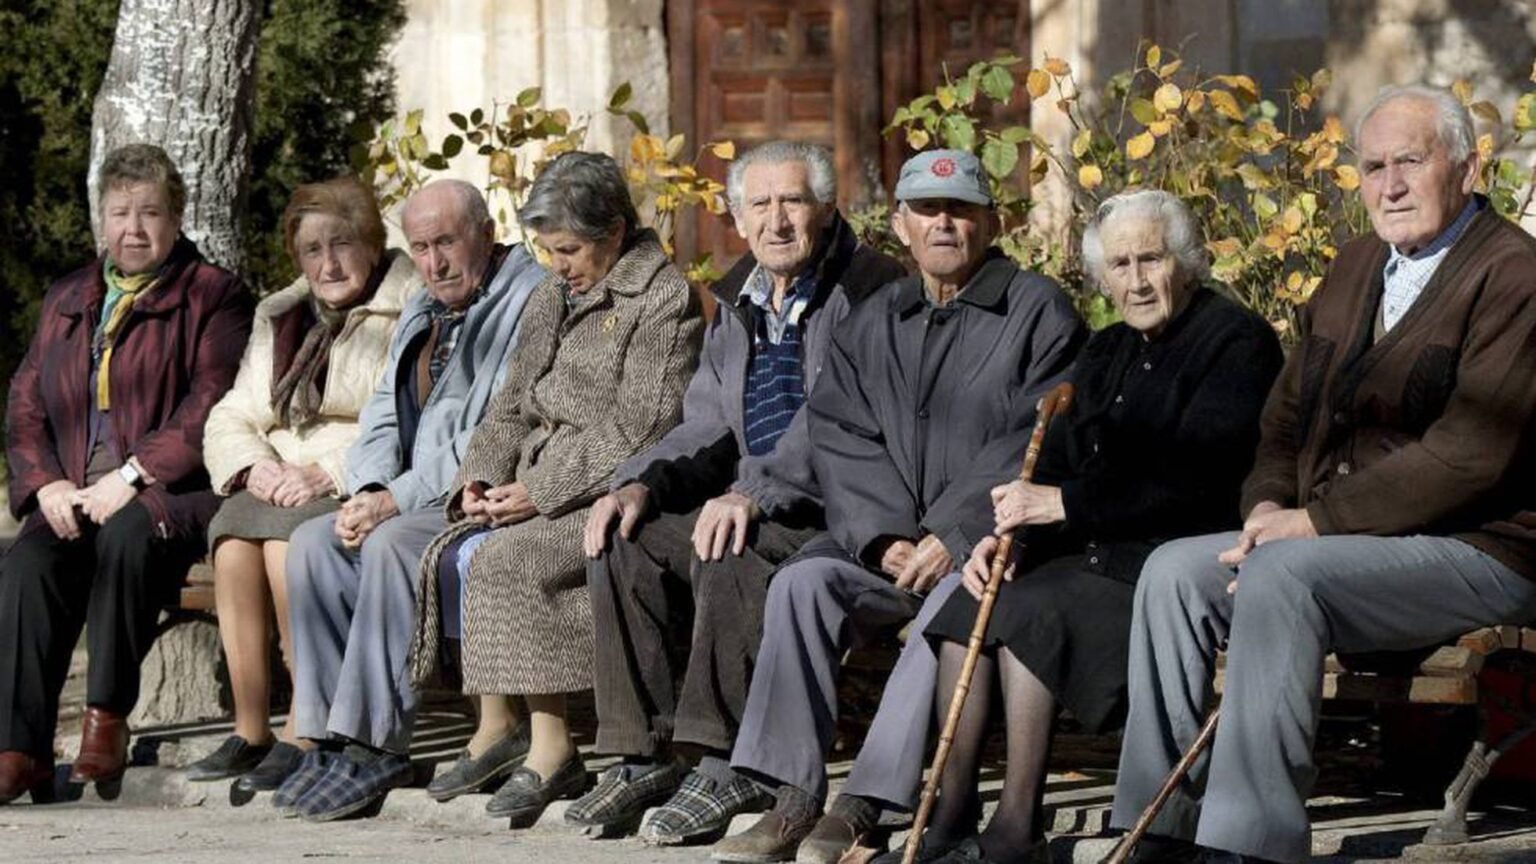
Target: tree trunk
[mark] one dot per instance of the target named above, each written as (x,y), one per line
(182,76)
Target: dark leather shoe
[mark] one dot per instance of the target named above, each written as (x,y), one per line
(525,794)
(268,776)
(103,747)
(471,773)
(21,773)
(234,757)
(771,838)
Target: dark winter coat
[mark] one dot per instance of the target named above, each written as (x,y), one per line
(705,454)
(921,410)
(175,356)
(1159,436)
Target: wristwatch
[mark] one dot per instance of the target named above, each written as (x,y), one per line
(131,476)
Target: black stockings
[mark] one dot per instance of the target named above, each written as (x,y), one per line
(1030,711)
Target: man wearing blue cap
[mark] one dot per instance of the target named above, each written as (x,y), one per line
(924,404)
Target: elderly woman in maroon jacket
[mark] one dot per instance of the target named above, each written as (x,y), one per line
(104,434)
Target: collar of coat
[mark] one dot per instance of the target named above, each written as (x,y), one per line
(632,273)
(170,293)
(988,288)
(400,281)
(837,247)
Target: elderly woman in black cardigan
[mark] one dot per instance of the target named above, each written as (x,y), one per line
(1161,433)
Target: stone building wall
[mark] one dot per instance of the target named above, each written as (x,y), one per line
(456,55)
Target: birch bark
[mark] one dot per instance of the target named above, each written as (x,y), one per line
(181,75)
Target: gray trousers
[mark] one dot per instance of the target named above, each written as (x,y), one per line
(352,615)
(818,607)
(890,763)
(1296,600)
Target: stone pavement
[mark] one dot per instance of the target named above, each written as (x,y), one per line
(156,815)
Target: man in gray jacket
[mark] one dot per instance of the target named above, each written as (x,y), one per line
(925,403)
(706,515)
(352,574)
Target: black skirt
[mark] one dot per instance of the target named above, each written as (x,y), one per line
(1068,625)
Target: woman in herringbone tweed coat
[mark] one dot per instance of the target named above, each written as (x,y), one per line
(608,345)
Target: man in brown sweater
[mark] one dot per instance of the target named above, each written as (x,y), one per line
(1389,507)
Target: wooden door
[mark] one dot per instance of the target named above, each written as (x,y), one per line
(921,40)
(754,70)
(827,71)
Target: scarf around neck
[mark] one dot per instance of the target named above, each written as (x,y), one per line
(122,292)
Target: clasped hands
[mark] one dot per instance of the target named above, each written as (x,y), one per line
(1267,522)
(97,502)
(362,513)
(497,506)
(283,484)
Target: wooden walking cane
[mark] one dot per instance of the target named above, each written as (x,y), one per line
(1127,844)
(1059,399)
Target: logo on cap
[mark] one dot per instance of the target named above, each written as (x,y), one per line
(943,167)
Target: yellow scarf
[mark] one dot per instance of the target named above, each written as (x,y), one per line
(122,291)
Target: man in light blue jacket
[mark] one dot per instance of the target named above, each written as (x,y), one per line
(351,575)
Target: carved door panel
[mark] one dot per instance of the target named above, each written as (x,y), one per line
(921,39)
(755,70)
(828,71)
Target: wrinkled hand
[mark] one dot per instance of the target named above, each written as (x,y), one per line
(928,564)
(724,521)
(895,557)
(263,479)
(1024,503)
(978,570)
(629,503)
(472,502)
(1268,521)
(509,504)
(105,497)
(301,484)
(362,513)
(56,502)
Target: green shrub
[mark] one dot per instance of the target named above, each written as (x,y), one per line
(1266,175)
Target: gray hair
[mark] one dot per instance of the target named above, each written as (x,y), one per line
(471,202)
(144,163)
(1181,231)
(818,164)
(1453,123)
(583,193)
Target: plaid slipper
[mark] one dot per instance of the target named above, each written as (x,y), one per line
(622,795)
(703,807)
(351,786)
(315,764)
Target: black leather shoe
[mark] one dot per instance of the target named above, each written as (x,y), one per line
(233,758)
(281,761)
(472,773)
(525,794)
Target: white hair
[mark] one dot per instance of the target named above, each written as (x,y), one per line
(1453,123)
(1181,231)
(818,164)
(471,202)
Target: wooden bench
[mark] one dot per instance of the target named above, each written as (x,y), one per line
(197,594)
(1448,676)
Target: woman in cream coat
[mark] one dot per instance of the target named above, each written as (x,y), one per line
(276,443)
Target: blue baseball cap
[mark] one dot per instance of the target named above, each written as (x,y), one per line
(953,174)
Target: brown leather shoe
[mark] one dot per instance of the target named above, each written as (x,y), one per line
(771,838)
(828,841)
(21,773)
(103,747)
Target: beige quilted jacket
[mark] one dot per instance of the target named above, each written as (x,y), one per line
(242,428)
